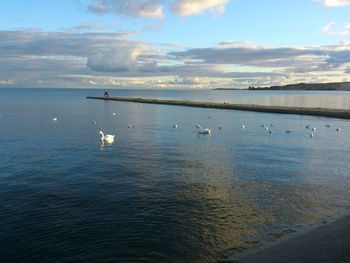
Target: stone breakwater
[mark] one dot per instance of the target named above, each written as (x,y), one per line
(324,112)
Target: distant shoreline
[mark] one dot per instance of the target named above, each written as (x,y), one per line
(333,113)
(333,86)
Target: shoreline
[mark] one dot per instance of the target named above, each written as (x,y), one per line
(323,112)
(324,242)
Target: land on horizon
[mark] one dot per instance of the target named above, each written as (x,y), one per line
(331,86)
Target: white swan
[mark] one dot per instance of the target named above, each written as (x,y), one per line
(107,138)
(203,131)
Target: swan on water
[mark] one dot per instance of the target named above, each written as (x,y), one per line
(107,138)
(203,131)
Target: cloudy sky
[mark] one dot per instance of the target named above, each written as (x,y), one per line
(173,43)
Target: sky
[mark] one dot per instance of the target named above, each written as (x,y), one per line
(173,43)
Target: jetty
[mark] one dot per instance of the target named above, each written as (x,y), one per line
(324,112)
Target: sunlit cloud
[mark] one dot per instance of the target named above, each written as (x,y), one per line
(335,3)
(154,9)
(197,7)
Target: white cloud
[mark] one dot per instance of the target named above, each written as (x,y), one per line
(119,59)
(197,7)
(335,3)
(336,30)
(6,82)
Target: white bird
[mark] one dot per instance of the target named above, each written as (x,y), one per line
(54,119)
(107,138)
(203,131)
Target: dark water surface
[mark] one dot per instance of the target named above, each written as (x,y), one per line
(159,194)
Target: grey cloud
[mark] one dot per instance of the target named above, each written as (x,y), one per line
(86,28)
(137,8)
(57,43)
(114,60)
(306,59)
(31,56)
(241,55)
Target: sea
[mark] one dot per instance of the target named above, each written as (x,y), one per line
(159,193)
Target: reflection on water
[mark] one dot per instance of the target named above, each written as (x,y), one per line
(159,194)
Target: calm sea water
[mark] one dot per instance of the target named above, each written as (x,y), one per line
(160,194)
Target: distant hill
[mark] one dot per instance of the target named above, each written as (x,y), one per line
(338,86)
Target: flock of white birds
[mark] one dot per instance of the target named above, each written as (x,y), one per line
(109,138)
